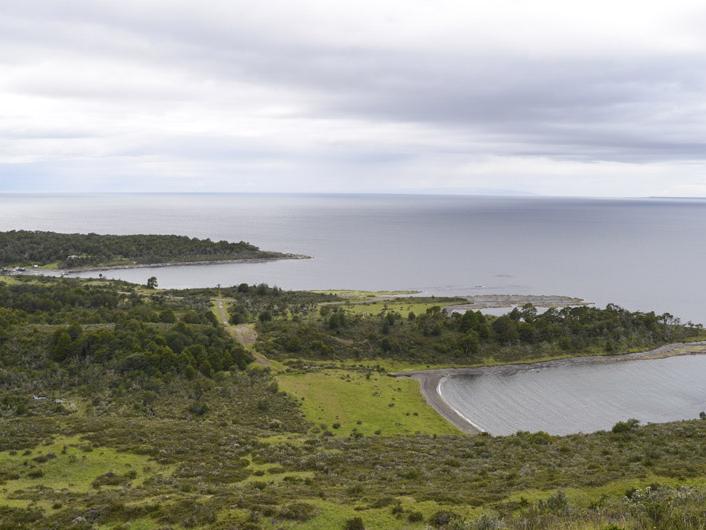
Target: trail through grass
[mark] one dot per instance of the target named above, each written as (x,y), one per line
(245,334)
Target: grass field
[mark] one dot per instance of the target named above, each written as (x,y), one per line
(403,307)
(378,404)
(69,464)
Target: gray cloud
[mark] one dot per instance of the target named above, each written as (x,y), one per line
(455,100)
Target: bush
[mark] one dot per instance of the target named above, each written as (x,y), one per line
(297,511)
(415,517)
(354,524)
(443,518)
(109,479)
(198,409)
(630,425)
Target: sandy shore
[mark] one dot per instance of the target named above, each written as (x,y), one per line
(430,381)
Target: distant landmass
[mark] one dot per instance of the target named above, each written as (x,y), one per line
(676,198)
(22,248)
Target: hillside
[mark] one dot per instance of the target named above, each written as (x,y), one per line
(124,407)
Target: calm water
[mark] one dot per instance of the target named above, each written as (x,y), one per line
(584,398)
(642,254)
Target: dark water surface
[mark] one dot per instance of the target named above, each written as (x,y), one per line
(581,398)
(642,254)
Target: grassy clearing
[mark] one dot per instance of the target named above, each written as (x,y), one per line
(402,307)
(273,473)
(367,405)
(71,465)
(585,497)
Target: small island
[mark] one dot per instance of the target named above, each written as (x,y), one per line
(73,252)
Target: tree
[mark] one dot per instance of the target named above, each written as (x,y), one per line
(505,330)
(469,343)
(61,345)
(152,282)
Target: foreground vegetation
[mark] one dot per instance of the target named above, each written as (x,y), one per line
(123,407)
(70,251)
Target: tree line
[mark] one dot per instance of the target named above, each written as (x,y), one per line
(436,336)
(24,247)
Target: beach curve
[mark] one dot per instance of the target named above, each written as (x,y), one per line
(430,381)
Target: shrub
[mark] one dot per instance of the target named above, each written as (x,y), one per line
(415,517)
(297,511)
(630,425)
(356,523)
(198,409)
(443,518)
(112,479)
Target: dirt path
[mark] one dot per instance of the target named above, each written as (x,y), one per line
(244,334)
(430,380)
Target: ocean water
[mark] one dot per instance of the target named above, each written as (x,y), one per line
(581,398)
(642,254)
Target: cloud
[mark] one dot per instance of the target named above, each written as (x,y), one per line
(545,97)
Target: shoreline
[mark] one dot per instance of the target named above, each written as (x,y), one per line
(92,268)
(430,381)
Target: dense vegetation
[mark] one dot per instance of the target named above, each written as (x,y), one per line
(125,407)
(23,247)
(120,337)
(436,336)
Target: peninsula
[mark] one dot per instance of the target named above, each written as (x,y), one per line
(73,252)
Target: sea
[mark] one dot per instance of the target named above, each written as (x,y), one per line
(581,397)
(642,254)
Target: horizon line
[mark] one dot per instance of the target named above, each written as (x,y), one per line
(518,195)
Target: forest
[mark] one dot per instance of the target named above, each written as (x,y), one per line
(472,337)
(70,251)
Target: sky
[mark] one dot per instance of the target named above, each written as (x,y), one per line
(576,98)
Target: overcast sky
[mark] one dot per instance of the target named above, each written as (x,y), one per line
(606,97)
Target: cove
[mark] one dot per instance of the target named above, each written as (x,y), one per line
(569,397)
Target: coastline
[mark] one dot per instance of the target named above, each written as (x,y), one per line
(430,386)
(430,381)
(175,264)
